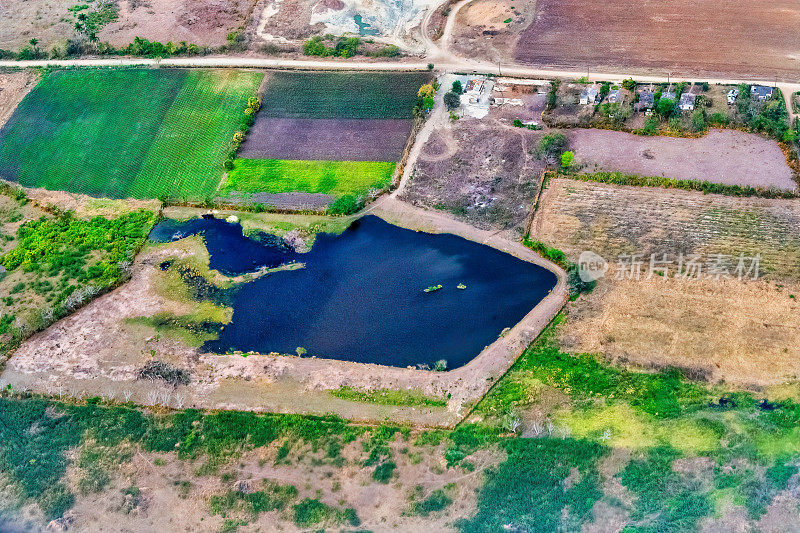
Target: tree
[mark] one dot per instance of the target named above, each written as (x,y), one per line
(457,88)
(567,158)
(426,91)
(452,100)
(665,107)
(629,84)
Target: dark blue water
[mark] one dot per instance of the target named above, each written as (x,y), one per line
(231,252)
(361,297)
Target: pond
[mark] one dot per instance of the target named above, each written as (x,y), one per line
(361,296)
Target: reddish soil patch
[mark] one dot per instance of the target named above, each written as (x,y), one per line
(202,22)
(723,156)
(13,88)
(682,35)
(326,139)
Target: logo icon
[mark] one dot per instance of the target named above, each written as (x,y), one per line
(591,266)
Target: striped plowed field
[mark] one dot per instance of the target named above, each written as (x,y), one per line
(615,220)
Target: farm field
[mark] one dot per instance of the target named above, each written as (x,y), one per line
(728,157)
(575,216)
(342,95)
(338,178)
(120,133)
(742,333)
(326,139)
(677,35)
(326,135)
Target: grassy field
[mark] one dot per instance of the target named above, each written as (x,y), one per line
(338,178)
(342,95)
(126,133)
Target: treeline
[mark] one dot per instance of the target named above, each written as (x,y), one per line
(706,187)
(342,46)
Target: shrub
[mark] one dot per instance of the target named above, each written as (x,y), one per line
(437,501)
(383,472)
(629,84)
(567,159)
(345,205)
(166,372)
(553,144)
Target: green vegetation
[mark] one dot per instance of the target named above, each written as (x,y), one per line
(437,501)
(117,133)
(270,497)
(388,397)
(56,262)
(310,512)
(340,46)
(619,178)
(338,178)
(36,460)
(342,95)
(663,417)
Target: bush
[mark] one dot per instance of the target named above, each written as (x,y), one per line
(345,205)
(629,84)
(567,158)
(383,472)
(553,144)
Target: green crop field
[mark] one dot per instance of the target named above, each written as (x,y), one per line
(342,95)
(338,178)
(141,133)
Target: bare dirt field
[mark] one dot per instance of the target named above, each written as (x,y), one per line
(201,22)
(743,333)
(678,35)
(485,174)
(722,156)
(612,220)
(40,19)
(490,29)
(13,88)
(326,139)
(280,21)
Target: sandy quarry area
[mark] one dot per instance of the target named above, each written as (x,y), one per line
(722,156)
(743,333)
(98,351)
(490,29)
(709,37)
(13,88)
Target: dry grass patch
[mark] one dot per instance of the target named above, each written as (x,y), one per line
(745,333)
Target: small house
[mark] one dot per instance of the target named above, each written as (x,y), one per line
(687,101)
(647,99)
(590,95)
(761,92)
(615,96)
(733,94)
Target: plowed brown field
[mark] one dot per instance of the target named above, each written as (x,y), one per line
(713,37)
